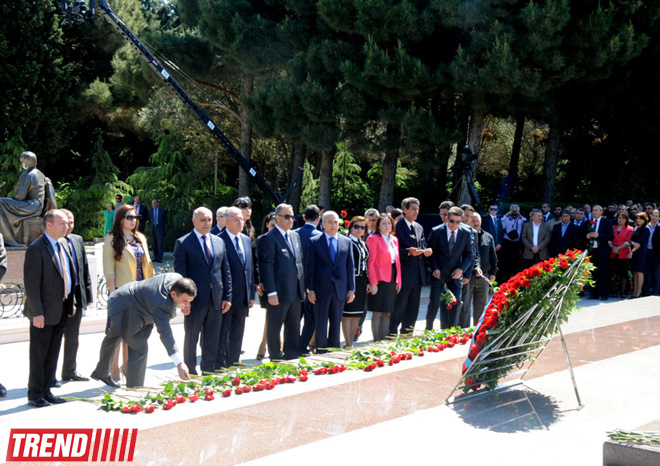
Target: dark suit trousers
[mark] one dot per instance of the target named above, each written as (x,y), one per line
(287,315)
(406,310)
(448,317)
(601,275)
(651,274)
(231,335)
(45,346)
(71,333)
(328,311)
(308,326)
(208,323)
(157,239)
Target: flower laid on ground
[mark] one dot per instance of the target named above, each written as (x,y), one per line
(268,375)
(511,301)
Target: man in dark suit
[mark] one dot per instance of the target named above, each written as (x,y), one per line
(492,224)
(412,253)
(309,230)
(202,257)
(281,271)
(434,295)
(482,276)
(564,235)
(602,233)
(82,298)
(452,258)
(239,257)
(652,262)
(134,309)
(49,286)
(329,275)
(142,212)
(157,224)
(3,270)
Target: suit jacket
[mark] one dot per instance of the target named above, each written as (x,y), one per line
(3,258)
(162,220)
(413,268)
(44,283)
(527,238)
(461,256)
(322,275)
(143,212)
(306,232)
(655,241)
(486,248)
(560,244)
(125,269)
(379,264)
(494,228)
(605,233)
(213,280)
(84,290)
(242,274)
(280,269)
(151,300)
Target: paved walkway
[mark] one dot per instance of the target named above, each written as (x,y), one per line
(390,415)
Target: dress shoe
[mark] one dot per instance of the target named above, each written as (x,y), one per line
(105,379)
(38,403)
(55,400)
(3,391)
(55,384)
(76,378)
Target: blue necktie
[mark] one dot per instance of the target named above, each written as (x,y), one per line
(238,250)
(207,251)
(333,250)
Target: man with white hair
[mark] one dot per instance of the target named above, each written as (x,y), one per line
(220,221)
(202,257)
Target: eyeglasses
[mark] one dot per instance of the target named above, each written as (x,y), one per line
(493,208)
(455,222)
(287,216)
(131,217)
(360,227)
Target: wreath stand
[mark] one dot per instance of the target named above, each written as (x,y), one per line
(524,340)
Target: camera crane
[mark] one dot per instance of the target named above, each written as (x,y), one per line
(80,12)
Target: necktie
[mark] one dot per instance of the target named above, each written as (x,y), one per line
(333,249)
(207,251)
(156,216)
(452,241)
(64,269)
(412,233)
(288,243)
(238,250)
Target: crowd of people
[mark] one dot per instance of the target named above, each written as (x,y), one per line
(315,283)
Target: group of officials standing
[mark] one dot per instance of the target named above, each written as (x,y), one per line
(308,272)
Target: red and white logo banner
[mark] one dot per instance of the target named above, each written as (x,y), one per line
(71,444)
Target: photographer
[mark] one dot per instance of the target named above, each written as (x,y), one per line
(509,257)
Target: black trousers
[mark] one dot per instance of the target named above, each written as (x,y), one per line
(45,346)
(327,319)
(287,315)
(71,334)
(406,310)
(231,335)
(206,322)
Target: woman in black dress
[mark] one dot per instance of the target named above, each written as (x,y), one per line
(639,241)
(354,311)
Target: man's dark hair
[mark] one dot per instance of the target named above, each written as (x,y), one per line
(467,207)
(405,204)
(312,212)
(185,285)
(446,205)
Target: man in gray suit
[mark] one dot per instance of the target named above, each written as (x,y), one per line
(134,310)
(47,273)
(82,299)
(535,238)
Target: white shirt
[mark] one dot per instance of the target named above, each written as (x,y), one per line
(390,245)
(535,236)
(233,237)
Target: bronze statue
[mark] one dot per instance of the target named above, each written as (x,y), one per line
(33,196)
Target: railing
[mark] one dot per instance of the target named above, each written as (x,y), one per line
(12,298)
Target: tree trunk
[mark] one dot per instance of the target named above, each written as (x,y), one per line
(512,178)
(551,159)
(299,152)
(388,178)
(325,178)
(475,129)
(246,137)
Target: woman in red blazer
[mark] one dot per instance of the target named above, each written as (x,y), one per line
(619,252)
(384,270)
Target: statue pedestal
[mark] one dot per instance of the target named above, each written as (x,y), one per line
(15,260)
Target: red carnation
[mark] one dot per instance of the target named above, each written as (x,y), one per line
(536,272)
(481,337)
(347,223)
(547,266)
(344,214)
(489,322)
(563,263)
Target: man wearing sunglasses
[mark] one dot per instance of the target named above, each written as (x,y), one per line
(453,256)
(280,257)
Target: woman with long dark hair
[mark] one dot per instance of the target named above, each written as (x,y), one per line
(639,242)
(125,259)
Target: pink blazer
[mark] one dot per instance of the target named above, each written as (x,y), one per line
(619,238)
(379,264)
